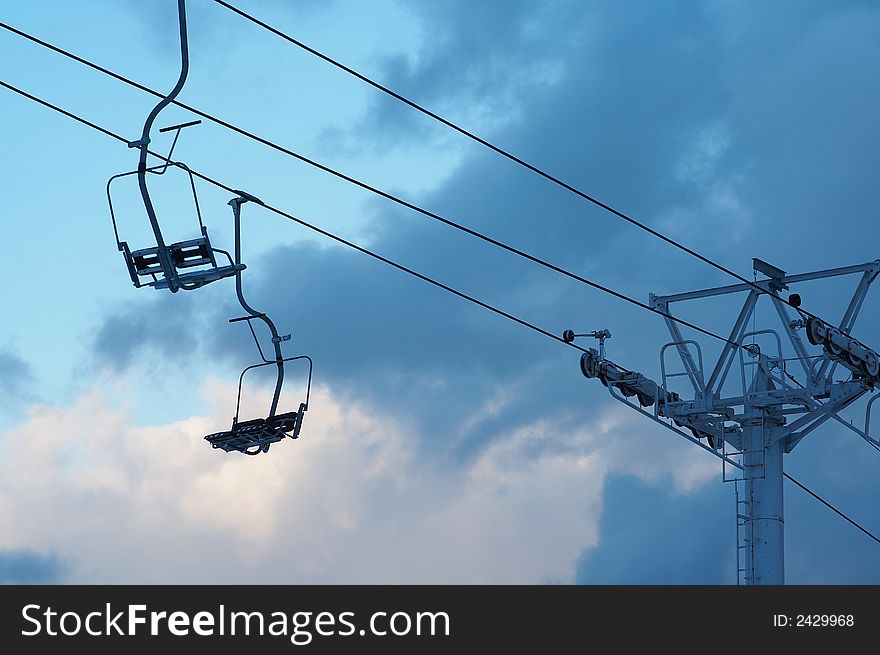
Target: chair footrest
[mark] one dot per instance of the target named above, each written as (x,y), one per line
(201,278)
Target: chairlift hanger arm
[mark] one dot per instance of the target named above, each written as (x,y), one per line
(236,204)
(143,145)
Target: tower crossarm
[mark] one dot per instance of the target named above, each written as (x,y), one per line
(843,395)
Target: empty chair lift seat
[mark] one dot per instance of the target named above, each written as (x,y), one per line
(256,435)
(192,254)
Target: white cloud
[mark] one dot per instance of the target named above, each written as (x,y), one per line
(351,501)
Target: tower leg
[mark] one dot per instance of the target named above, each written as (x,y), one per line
(762,457)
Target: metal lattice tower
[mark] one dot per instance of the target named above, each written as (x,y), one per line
(753,431)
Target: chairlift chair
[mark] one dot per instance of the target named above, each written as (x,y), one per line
(254,436)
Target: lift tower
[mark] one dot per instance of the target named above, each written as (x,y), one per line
(775,407)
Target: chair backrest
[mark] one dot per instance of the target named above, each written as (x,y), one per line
(196,254)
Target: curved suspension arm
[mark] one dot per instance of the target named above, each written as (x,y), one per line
(143,145)
(236,204)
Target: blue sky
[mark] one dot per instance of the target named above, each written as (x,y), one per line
(443,444)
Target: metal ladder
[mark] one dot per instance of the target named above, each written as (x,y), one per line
(745,573)
(745,568)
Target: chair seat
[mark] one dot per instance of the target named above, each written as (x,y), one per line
(256,435)
(190,254)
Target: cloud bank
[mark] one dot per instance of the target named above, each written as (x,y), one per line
(354,502)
